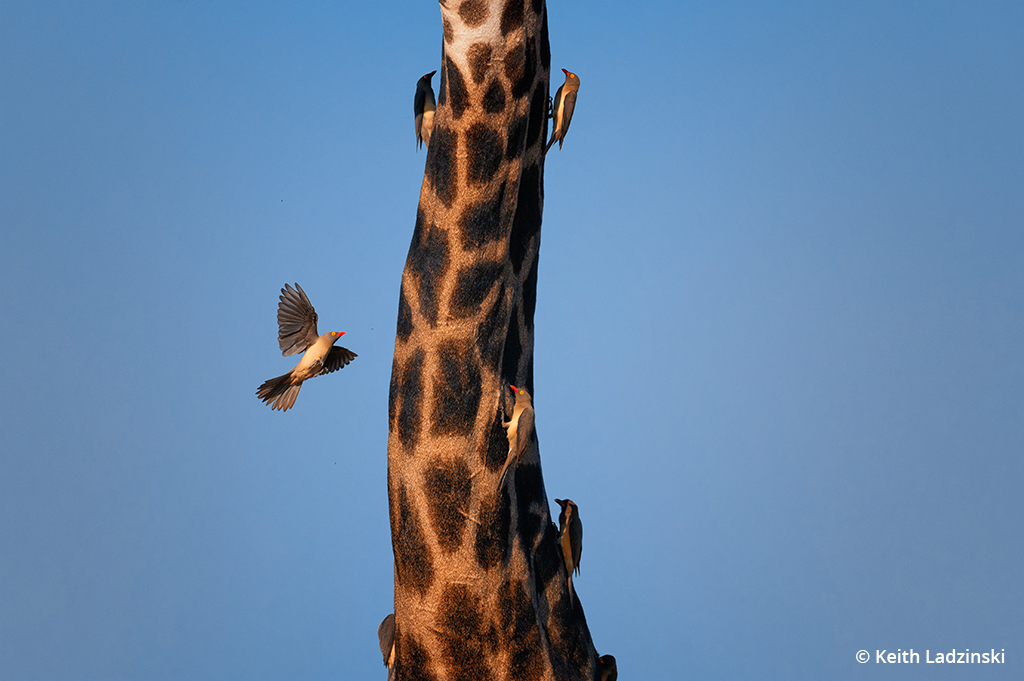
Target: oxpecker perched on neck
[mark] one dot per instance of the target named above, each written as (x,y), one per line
(296,322)
(561,108)
(606,669)
(423,106)
(570,537)
(386,636)
(519,429)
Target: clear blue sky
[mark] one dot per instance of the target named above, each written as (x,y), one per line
(780,333)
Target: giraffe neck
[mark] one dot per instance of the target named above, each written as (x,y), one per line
(477,593)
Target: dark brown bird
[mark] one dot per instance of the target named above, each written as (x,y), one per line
(423,106)
(570,536)
(296,322)
(386,636)
(607,671)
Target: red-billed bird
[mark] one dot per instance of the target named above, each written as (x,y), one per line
(562,108)
(296,321)
(607,670)
(519,429)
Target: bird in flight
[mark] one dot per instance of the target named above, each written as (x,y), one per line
(296,321)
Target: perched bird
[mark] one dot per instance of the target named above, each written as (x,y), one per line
(386,635)
(296,322)
(519,429)
(607,671)
(423,106)
(561,108)
(570,536)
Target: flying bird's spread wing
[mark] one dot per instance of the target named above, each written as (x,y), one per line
(337,358)
(296,321)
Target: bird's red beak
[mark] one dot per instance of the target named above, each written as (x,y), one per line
(431,74)
(339,333)
(565,72)
(514,389)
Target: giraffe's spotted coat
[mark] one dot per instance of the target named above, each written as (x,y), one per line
(480,591)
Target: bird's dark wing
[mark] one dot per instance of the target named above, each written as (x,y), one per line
(419,100)
(576,541)
(524,430)
(337,357)
(567,109)
(296,321)
(386,635)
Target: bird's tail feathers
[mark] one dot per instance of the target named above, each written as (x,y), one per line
(279,392)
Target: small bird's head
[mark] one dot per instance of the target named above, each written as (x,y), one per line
(427,76)
(571,78)
(607,668)
(521,393)
(335,335)
(568,507)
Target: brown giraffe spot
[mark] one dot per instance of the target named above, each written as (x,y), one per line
(518,632)
(446,28)
(530,297)
(414,564)
(447,488)
(522,85)
(481,222)
(513,348)
(529,489)
(404,328)
(547,557)
(492,542)
(494,98)
(489,340)
(458,96)
(472,286)
(487,152)
(456,389)
(479,57)
(515,137)
(566,630)
(459,625)
(418,665)
(428,263)
(411,390)
(515,62)
(393,395)
(526,223)
(441,170)
(494,450)
(473,12)
(545,46)
(538,116)
(511,16)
